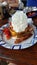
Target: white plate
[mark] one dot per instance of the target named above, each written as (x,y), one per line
(25,44)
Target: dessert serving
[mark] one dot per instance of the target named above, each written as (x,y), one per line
(19,28)
(18,34)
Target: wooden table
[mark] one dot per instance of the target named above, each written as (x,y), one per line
(20,57)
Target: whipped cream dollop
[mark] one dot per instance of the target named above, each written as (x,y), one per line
(19,21)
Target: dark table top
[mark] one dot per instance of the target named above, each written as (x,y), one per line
(20,57)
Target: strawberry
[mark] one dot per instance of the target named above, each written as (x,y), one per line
(7,33)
